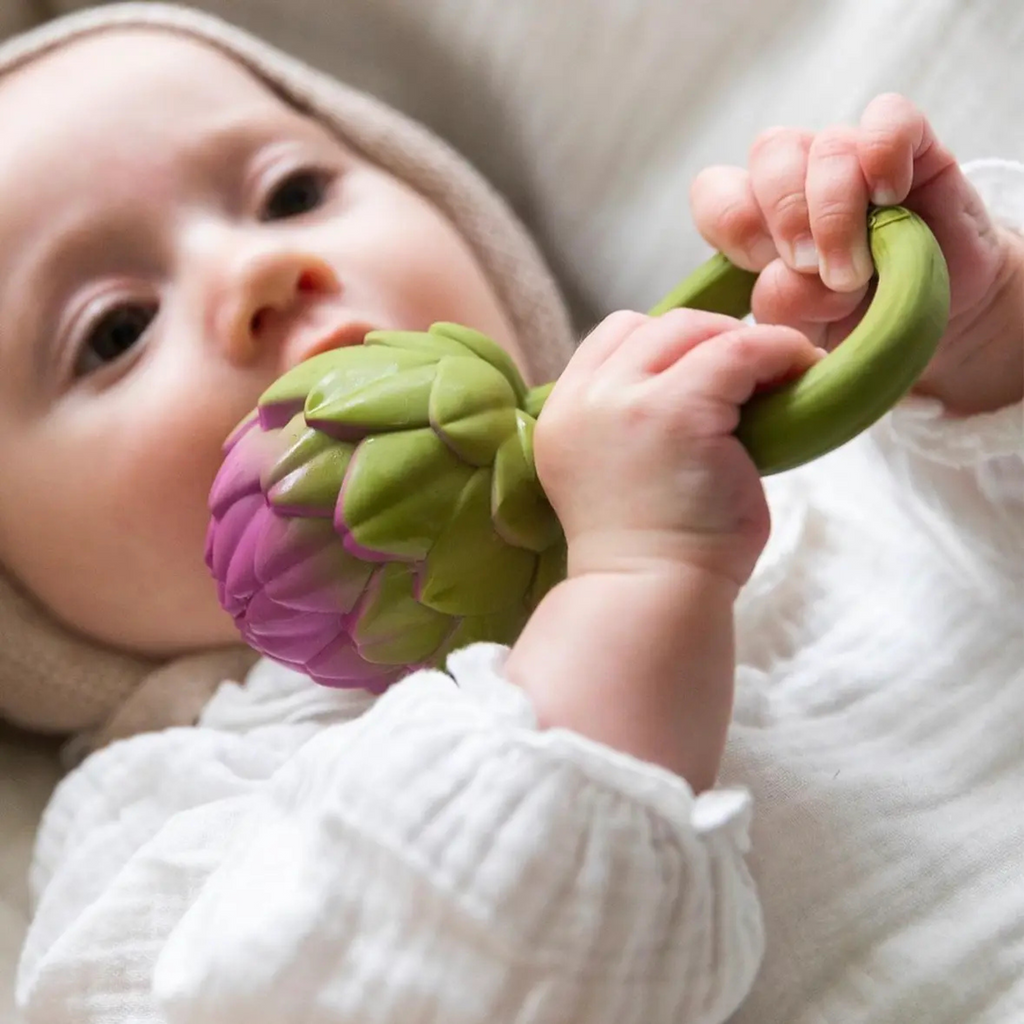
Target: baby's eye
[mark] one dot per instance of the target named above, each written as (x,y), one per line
(296,194)
(113,335)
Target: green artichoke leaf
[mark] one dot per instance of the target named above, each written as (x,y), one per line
(298,444)
(395,402)
(521,511)
(525,426)
(338,371)
(314,484)
(400,491)
(487,349)
(533,404)
(551,570)
(293,387)
(500,628)
(472,407)
(417,341)
(470,569)
(393,628)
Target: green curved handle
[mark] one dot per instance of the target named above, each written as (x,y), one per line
(857,383)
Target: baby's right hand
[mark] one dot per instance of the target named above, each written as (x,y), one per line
(635,446)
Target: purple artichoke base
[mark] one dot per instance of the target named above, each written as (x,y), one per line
(273,574)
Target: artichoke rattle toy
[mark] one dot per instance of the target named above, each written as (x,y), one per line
(380,507)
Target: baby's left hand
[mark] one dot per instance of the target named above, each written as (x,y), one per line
(799,214)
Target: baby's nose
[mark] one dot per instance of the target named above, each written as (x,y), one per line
(270,291)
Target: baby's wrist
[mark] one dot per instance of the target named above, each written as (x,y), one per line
(721,562)
(982,368)
(640,660)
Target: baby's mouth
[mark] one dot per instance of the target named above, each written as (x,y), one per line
(344,336)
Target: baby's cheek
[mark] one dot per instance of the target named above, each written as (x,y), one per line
(167,499)
(104,514)
(174,467)
(164,464)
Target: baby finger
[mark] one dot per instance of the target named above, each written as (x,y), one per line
(837,199)
(782,296)
(778,171)
(728,216)
(722,374)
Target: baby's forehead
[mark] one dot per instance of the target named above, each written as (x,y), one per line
(113,94)
(163,71)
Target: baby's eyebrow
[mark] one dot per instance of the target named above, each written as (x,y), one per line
(237,135)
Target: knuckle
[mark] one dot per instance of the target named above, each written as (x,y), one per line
(739,222)
(881,132)
(739,348)
(691,325)
(881,145)
(658,421)
(773,138)
(877,144)
(839,142)
(833,223)
(790,209)
(682,318)
(625,321)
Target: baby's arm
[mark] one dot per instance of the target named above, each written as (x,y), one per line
(643,662)
(664,516)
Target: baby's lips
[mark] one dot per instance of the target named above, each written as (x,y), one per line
(306,344)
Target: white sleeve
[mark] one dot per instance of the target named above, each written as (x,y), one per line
(436,859)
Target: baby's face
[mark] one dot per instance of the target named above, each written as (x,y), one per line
(173,237)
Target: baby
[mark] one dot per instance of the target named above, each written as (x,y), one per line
(560,832)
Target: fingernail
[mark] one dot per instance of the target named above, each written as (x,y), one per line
(863,265)
(804,254)
(884,195)
(847,273)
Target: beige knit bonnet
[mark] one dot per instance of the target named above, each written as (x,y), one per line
(54,680)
